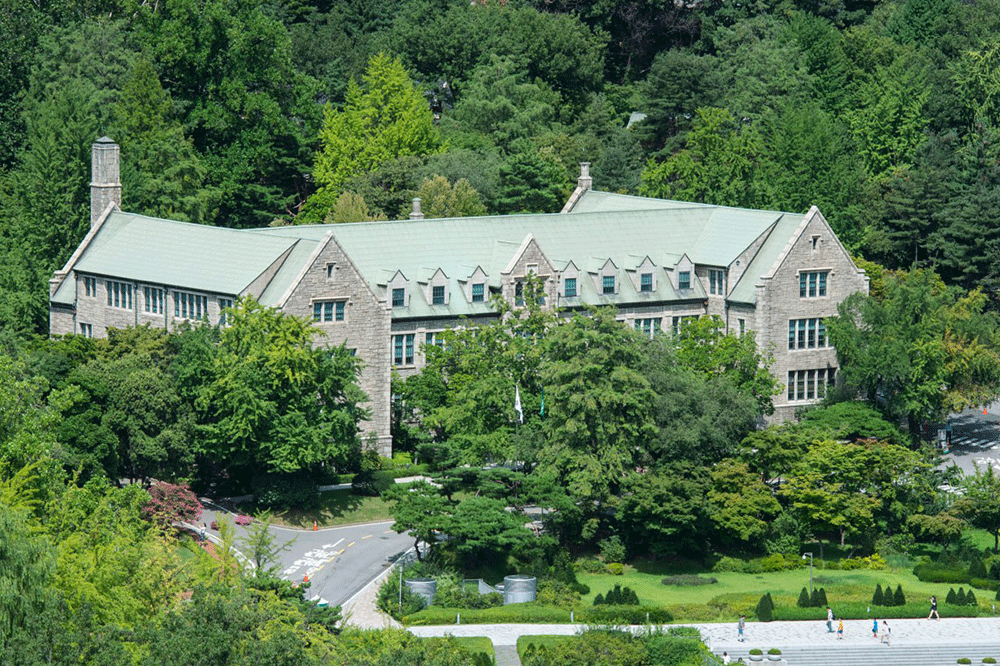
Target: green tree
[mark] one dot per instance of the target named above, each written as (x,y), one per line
(274,401)
(921,352)
(717,165)
(384,118)
(532,182)
(420,509)
(666,511)
(599,414)
(351,207)
(438,198)
(740,504)
(980,503)
(261,545)
(481,530)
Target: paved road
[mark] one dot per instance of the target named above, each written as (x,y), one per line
(976,438)
(338,560)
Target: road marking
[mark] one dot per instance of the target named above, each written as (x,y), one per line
(366,537)
(351,544)
(331,546)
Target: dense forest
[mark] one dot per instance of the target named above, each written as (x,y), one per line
(289,111)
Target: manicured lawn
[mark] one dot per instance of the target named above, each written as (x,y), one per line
(738,592)
(476,644)
(337,507)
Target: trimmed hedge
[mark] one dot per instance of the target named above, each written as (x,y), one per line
(931,572)
(859,611)
(530,613)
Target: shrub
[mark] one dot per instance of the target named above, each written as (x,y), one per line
(552,592)
(818,599)
(618,595)
(689,580)
(989,660)
(616,568)
(776,562)
(774,651)
(765,608)
(929,572)
(612,549)
(985,583)
(964,660)
(168,504)
(995,570)
(950,599)
(599,599)
(998,594)
(285,491)
(371,484)
(804,601)
(977,569)
(590,565)
(960,597)
(756,651)
(877,599)
(970,598)
(899,599)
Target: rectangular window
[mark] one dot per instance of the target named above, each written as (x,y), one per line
(608,283)
(338,310)
(120,295)
(87,330)
(478,292)
(569,287)
(438,295)
(806,334)
(646,282)
(90,286)
(153,300)
(398,298)
(331,271)
(684,280)
(677,323)
(402,349)
(190,306)
(224,304)
(743,326)
(324,311)
(650,327)
(716,282)
(810,384)
(813,284)
(519,293)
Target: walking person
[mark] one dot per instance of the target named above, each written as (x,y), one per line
(933,609)
(201,533)
(829,620)
(840,630)
(742,624)
(725,658)
(886,633)
(875,627)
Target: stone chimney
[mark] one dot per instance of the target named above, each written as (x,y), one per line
(105,182)
(584,182)
(417,214)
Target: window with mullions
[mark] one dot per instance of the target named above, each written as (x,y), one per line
(650,327)
(677,323)
(190,306)
(807,334)
(646,282)
(120,295)
(810,384)
(90,286)
(87,330)
(433,339)
(402,349)
(153,300)
(224,304)
(478,292)
(813,284)
(398,297)
(437,295)
(684,280)
(569,287)
(716,282)
(608,284)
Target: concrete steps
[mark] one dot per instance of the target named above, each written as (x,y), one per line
(920,654)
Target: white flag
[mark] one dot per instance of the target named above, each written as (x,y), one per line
(517,404)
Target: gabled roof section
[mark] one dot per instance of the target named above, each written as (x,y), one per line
(179,254)
(774,247)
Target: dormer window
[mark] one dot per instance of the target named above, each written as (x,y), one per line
(684,280)
(608,284)
(478,292)
(398,297)
(716,282)
(437,295)
(569,287)
(646,282)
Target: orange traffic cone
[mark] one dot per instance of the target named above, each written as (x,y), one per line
(984,410)
(316,526)
(305,579)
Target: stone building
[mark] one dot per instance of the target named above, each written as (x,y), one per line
(388,289)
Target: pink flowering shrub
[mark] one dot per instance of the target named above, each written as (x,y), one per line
(169,503)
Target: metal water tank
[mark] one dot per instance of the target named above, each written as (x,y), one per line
(518,589)
(424,587)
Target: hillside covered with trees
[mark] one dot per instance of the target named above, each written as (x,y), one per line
(290,111)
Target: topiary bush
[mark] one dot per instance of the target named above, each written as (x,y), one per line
(765,608)
(964,660)
(690,580)
(804,601)
(899,599)
(989,660)
(950,599)
(970,599)
(877,598)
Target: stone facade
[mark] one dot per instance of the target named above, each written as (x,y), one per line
(387,289)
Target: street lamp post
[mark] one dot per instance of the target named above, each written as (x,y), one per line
(810,572)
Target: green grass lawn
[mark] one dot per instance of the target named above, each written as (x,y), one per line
(476,644)
(336,507)
(538,641)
